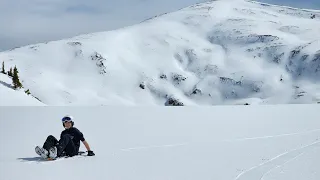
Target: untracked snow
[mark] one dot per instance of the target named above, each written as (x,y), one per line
(279,142)
(218,52)
(11,97)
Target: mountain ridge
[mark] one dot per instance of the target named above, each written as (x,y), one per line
(217,52)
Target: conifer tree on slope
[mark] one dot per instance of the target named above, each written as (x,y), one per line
(10,72)
(15,79)
(2,70)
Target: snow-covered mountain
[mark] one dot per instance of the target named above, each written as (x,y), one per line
(218,52)
(223,143)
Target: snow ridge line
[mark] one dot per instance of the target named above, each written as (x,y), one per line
(276,158)
(150,147)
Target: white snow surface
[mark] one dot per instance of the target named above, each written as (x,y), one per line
(11,97)
(213,53)
(278,142)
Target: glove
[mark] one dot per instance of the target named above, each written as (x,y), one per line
(90,153)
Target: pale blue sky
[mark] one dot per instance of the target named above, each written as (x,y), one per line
(25,22)
(310,4)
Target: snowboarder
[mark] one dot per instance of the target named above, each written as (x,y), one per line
(68,145)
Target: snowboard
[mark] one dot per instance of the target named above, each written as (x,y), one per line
(43,154)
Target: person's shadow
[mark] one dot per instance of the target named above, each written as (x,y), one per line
(33,159)
(37,159)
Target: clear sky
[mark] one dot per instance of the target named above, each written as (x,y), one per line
(309,4)
(25,22)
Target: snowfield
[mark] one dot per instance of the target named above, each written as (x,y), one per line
(214,53)
(279,142)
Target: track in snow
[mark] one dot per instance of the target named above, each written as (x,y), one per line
(259,171)
(229,140)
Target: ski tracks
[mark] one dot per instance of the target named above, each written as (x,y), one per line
(226,140)
(279,166)
(273,136)
(261,170)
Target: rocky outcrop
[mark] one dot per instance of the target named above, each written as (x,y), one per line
(100,62)
(173,102)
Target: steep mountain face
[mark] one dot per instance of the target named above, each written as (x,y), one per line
(218,52)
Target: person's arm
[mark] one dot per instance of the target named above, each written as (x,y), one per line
(86,145)
(83,140)
(90,152)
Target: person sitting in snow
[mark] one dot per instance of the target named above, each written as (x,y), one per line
(69,142)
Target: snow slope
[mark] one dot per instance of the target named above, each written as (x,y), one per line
(11,97)
(279,142)
(218,52)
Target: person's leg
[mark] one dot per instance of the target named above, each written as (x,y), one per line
(71,149)
(50,142)
(66,145)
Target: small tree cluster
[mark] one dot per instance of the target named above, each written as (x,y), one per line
(27,92)
(3,71)
(15,79)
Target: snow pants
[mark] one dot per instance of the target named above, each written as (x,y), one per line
(65,145)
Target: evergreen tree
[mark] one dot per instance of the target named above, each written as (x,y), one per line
(15,79)
(2,70)
(10,72)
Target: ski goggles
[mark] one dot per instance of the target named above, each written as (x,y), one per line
(66,119)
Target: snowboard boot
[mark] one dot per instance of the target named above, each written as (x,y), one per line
(53,153)
(42,152)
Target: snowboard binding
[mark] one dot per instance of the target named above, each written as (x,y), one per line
(45,154)
(52,153)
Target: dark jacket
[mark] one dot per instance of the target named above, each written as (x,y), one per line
(75,134)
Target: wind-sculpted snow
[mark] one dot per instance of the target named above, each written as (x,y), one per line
(217,52)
